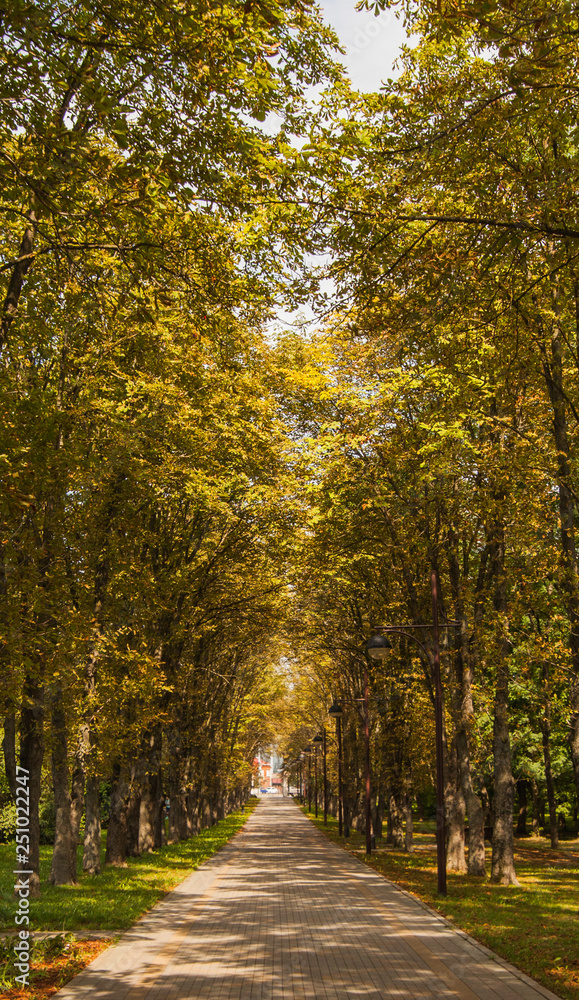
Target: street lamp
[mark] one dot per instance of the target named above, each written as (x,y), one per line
(377,648)
(325,749)
(317,740)
(335,712)
(308,753)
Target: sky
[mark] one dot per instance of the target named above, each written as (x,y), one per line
(372,43)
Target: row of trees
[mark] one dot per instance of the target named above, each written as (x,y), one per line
(440,422)
(144,510)
(182,497)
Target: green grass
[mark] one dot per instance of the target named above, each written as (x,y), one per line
(116,898)
(534,927)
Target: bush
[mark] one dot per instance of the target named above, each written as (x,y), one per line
(47,819)
(7,822)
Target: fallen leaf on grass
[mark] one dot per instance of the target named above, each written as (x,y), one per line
(50,975)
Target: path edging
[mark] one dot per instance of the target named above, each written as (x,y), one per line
(528,980)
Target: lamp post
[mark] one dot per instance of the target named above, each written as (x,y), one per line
(335,712)
(325,778)
(374,652)
(316,743)
(308,753)
(377,648)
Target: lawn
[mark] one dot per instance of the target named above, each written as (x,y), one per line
(112,900)
(534,927)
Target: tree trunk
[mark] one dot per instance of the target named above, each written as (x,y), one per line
(149,829)
(31,757)
(159,818)
(63,871)
(116,852)
(546,731)
(133,817)
(553,371)
(536,825)
(409,832)
(420,806)
(347,810)
(77,797)
(378,818)
(174,822)
(9,751)
(146,834)
(18,274)
(503,862)
(463,708)
(91,860)
(395,828)
(177,813)
(192,807)
(455,857)
(522,815)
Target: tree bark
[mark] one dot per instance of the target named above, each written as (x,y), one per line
(133,816)
(409,831)
(63,870)
(116,852)
(159,819)
(553,371)
(77,796)
(147,805)
(503,860)
(546,732)
(536,826)
(455,857)
(9,751)
(149,824)
(522,815)
(31,757)
(463,709)
(25,257)
(91,860)
(395,827)
(379,817)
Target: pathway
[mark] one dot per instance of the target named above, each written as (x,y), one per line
(280,913)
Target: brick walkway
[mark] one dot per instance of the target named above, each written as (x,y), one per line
(282,913)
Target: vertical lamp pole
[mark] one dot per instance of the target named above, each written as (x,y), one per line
(367,762)
(377,648)
(325,780)
(308,752)
(317,742)
(335,712)
(315,779)
(440,810)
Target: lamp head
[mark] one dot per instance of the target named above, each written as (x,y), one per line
(378,647)
(335,712)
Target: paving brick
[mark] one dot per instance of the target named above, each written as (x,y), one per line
(282,914)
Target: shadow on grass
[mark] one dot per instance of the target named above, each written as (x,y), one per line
(117,897)
(533,926)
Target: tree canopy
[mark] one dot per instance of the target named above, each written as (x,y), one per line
(202,519)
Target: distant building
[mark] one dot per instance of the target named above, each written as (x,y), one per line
(267,773)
